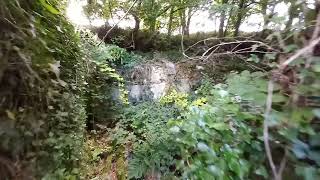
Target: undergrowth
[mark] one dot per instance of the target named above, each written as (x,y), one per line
(217,133)
(57,83)
(46,91)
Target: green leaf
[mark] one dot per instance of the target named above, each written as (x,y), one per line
(270,56)
(262,172)
(49,7)
(316,68)
(278,98)
(216,171)
(235,166)
(316,112)
(254,58)
(96,153)
(308,173)
(290,48)
(203,147)
(11,115)
(300,149)
(219,126)
(315,140)
(314,155)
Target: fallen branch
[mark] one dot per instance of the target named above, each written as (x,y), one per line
(255,45)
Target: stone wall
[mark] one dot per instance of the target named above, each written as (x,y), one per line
(151,81)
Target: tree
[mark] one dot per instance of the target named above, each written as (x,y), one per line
(241,13)
(267,5)
(187,8)
(222,19)
(295,9)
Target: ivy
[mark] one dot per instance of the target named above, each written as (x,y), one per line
(217,140)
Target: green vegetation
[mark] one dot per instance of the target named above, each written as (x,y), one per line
(65,114)
(45,94)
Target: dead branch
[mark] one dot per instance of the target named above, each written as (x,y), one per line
(255,45)
(216,38)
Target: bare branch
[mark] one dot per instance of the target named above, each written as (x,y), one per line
(283,164)
(266,129)
(301,52)
(317,28)
(240,51)
(106,35)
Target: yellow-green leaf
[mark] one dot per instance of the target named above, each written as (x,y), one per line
(49,7)
(11,115)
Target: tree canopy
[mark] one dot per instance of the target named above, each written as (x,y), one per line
(174,15)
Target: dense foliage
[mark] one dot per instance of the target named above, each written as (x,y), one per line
(65,113)
(217,139)
(219,132)
(45,80)
(104,84)
(42,87)
(144,131)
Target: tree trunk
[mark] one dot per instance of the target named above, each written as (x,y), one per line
(267,17)
(152,20)
(293,12)
(222,20)
(136,18)
(170,22)
(264,7)
(153,24)
(221,25)
(239,18)
(187,26)
(182,20)
(291,16)
(289,22)
(136,24)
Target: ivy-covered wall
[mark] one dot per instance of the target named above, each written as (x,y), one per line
(42,86)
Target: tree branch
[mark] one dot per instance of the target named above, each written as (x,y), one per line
(266,130)
(300,53)
(105,36)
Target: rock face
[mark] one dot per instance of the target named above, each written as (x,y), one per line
(153,80)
